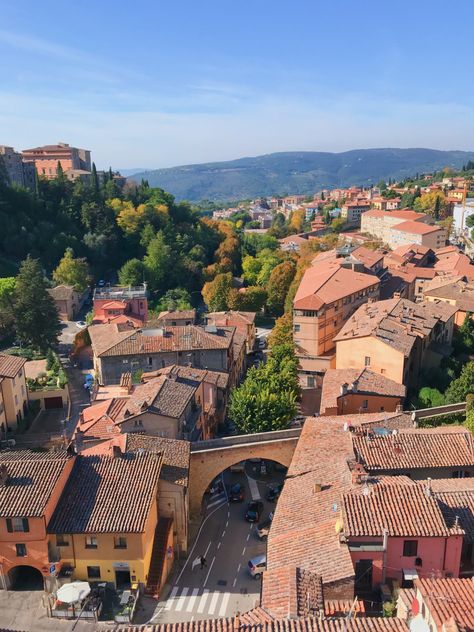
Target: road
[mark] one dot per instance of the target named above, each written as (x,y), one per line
(224,586)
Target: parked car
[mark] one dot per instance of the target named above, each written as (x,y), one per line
(257,565)
(262,343)
(81,324)
(263,528)
(254,511)
(274,492)
(236,493)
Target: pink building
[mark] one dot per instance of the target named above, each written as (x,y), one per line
(120,305)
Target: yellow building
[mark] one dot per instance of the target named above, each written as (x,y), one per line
(13,392)
(105,524)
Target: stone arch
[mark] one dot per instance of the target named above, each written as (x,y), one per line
(25,577)
(206,465)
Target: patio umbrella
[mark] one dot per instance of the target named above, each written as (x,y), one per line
(75,591)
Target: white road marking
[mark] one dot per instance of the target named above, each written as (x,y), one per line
(169,602)
(218,500)
(226,524)
(219,545)
(213,604)
(209,571)
(208,547)
(182,599)
(202,601)
(223,534)
(238,567)
(235,581)
(243,551)
(248,537)
(254,491)
(224,603)
(192,600)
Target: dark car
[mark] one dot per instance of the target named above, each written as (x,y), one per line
(254,511)
(236,493)
(274,493)
(264,527)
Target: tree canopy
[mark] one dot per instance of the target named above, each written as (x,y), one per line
(71,271)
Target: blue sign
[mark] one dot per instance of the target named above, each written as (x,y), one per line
(52,569)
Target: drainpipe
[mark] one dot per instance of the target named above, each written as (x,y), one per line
(384,557)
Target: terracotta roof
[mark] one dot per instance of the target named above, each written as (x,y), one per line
(10,365)
(105,336)
(108,494)
(456,263)
(447,599)
(303,530)
(32,477)
(240,624)
(411,249)
(290,591)
(417,228)
(396,322)
(327,282)
(402,214)
(187,373)
(456,500)
(460,292)
(368,257)
(232,317)
(404,509)
(255,616)
(446,446)
(146,341)
(178,314)
(362,381)
(61,292)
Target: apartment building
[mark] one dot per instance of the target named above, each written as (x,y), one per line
(47,157)
(13,392)
(454,290)
(178,318)
(244,322)
(67,300)
(31,484)
(115,304)
(396,338)
(351,212)
(120,348)
(18,171)
(115,545)
(403,227)
(327,296)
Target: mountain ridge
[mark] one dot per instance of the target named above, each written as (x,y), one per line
(297,172)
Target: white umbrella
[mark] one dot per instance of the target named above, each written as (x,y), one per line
(75,591)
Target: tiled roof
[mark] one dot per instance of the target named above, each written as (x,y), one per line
(455,497)
(61,292)
(226,318)
(178,315)
(10,365)
(396,322)
(327,282)
(459,291)
(404,509)
(416,228)
(105,336)
(303,530)
(368,257)
(31,479)
(174,339)
(416,449)
(290,591)
(108,494)
(191,374)
(240,624)
(456,263)
(447,599)
(362,381)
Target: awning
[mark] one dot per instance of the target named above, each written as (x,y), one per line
(410,574)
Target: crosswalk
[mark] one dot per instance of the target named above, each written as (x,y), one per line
(198,601)
(217,499)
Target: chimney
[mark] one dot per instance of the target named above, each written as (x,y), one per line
(428,490)
(317,487)
(3,475)
(358,474)
(116,452)
(343,388)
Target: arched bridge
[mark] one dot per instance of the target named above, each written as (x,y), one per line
(210,458)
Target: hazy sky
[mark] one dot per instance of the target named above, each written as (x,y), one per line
(156,83)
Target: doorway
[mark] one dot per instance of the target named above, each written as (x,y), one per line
(25,578)
(363,575)
(122,579)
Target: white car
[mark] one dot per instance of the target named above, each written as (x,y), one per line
(257,565)
(81,324)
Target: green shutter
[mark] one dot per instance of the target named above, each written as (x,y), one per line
(9,525)
(26,526)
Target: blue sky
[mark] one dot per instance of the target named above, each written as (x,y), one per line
(155,84)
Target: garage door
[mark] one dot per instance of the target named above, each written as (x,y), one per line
(53,402)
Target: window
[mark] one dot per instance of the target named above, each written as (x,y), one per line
(93,572)
(120,542)
(410,548)
(20,550)
(297,328)
(365,403)
(460,474)
(61,541)
(125,361)
(311,382)
(16,400)
(383,371)
(367,360)
(91,542)
(150,361)
(17,524)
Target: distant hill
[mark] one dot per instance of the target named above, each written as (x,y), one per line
(297,172)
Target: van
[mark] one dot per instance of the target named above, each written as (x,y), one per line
(238,467)
(257,565)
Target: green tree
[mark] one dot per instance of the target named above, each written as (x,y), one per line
(278,285)
(71,271)
(7,316)
(252,299)
(175,299)
(158,262)
(37,323)
(132,272)
(216,292)
(282,332)
(460,388)
(429,397)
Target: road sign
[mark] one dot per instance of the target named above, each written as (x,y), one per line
(52,569)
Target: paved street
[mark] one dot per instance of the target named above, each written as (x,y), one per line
(224,586)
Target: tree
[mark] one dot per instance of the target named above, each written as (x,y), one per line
(458,390)
(176,299)
(278,285)
(71,271)
(251,299)
(7,316)
(158,262)
(132,272)
(434,201)
(429,397)
(282,332)
(216,292)
(37,323)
